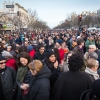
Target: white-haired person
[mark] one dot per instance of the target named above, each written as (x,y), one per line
(92,48)
(91,69)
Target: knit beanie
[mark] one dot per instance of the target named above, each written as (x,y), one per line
(49,53)
(29,48)
(59,41)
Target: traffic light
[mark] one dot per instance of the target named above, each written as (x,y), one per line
(80,17)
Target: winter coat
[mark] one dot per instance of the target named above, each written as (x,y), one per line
(61,54)
(70,85)
(40,85)
(79,51)
(9,83)
(11,63)
(27,81)
(32,53)
(39,56)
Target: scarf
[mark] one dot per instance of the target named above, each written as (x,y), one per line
(89,71)
(22,71)
(49,64)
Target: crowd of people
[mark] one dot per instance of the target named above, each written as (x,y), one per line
(50,65)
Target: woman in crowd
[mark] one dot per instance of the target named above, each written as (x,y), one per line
(52,64)
(23,75)
(40,85)
(91,69)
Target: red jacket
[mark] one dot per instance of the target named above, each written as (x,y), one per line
(11,63)
(32,53)
(61,54)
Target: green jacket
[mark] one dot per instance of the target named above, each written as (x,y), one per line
(87,43)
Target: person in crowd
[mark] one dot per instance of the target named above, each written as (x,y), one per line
(8,78)
(10,61)
(23,75)
(52,64)
(40,85)
(22,49)
(91,69)
(70,85)
(31,51)
(10,49)
(57,54)
(90,41)
(92,94)
(92,48)
(40,54)
(60,50)
(79,48)
(65,48)
(64,66)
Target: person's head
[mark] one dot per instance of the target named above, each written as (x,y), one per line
(95,92)
(41,49)
(35,66)
(92,48)
(24,58)
(90,38)
(70,53)
(80,41)
(22,48)
(93,64)
(59,43)
(93,55)
(2,62)
(26,43)
(9,48)
(75,62)
(51,56)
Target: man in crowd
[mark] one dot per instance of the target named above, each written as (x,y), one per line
(8,78)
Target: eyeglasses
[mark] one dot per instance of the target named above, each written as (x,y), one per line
(2,62)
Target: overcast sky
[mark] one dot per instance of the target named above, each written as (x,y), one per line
(55,11)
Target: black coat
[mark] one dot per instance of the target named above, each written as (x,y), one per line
(40,57)
(40,85)
(9,83)
(70,85)
(2,96)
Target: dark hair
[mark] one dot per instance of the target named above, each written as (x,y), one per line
(79,41)
(24,55)
(57,54)
(40,46)
(75,62)
(23,48)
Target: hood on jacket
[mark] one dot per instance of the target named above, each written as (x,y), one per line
(44,73)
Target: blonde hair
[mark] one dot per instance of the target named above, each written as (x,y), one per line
(92,63)
(35,65)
